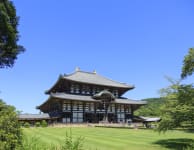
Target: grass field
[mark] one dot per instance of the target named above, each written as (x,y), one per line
(115,139)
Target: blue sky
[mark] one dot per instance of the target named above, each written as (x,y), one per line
(136,42)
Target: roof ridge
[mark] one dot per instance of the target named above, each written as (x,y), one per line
(66,75)
(86,72)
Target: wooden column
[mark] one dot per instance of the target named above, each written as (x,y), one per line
(132,112)
(115,113)
(95,120)
(83,105)
(71,119)
(125,112)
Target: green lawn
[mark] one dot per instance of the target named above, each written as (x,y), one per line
(115,138)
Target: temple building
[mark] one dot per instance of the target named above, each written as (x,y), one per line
(83,97)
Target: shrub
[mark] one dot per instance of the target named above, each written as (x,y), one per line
(37,124)
(44,123)
(10,130)
(71,144)
(26,125)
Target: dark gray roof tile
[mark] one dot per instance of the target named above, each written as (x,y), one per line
(89,98)
(33,116)
(94,78)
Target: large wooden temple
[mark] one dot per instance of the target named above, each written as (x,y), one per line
(89,97)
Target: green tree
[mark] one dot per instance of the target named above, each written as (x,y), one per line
(178,109)
(9,49)
(151,109)
(10,131)
(188,64)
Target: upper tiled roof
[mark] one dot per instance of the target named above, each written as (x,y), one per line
(94,78)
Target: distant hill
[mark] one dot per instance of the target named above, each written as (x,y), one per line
(152,109)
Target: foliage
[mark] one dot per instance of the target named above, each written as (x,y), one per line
(37,124)
(26,125)
(151,109)
(178,109)
(71,144)
(10,131)
(188,64)
(44,123)
(9,49)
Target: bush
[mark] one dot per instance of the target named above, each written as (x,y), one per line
(26,125)
(10,130)
(44,123)
(71,144)
(37,124)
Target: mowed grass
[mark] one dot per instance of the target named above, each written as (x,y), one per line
(96,138)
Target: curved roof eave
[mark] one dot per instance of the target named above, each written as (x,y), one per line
(59,79)
(95,79)
(64,96)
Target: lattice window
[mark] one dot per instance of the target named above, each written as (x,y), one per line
(115,93)
(77,88)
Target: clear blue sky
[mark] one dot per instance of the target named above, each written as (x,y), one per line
(133,41)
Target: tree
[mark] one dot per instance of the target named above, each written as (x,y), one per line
(9,49)
(188,64)
(10,131)
(151,109)
(178,109)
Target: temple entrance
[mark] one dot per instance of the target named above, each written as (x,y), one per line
(99,117)
(89,117)
(111,118)
(105,97)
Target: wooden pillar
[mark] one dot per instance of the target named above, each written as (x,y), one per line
(71,119)
(132,112)
(115,114)
(95,120)
(125,112)
(83,105)
(62,106)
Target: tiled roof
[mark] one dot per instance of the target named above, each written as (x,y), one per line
(72,97)
(33,116)
(89,98)
(94,78)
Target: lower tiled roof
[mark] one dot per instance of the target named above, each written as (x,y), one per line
(33,116)
(90,99)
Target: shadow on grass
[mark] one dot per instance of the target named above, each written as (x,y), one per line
(189,130)
(177,144)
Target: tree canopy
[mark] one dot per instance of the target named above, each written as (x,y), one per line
(178,109)
(9,36)
(188,64)
(151,109)
(10,131)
